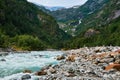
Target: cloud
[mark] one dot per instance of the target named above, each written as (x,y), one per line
(64,3)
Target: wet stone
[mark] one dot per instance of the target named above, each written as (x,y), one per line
(27,76)
(2,60)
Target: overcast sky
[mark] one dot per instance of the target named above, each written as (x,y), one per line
(63,3)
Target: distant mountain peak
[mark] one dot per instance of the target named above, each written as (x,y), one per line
(54,8)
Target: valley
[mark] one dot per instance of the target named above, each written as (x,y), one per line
(39,42)
(68,28)
(98,18)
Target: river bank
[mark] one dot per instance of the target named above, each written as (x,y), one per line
(94,63)
(6,51)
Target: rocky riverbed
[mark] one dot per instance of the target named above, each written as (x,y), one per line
(94,63)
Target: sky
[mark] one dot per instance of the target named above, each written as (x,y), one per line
(63,3)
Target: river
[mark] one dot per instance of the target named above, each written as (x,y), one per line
(14,64)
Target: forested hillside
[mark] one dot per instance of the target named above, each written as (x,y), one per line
(99,28)
(24,26)
(105,15)
(70,18)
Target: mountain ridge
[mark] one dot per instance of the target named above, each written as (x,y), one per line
(106,22)
(72,17)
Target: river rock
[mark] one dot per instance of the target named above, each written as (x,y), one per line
(112,66)
(60,57)
(113,54)
(96,61)
(71,58)
(118,51)
(52,70)
(25,77)
(71,70)
(117,57)
(69,74)
(117,61)
(2,60)
(107,60)
(40,73)
(27,71)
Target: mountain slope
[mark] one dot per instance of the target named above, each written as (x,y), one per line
(79,12)
(18,17)
(72,17)
(99,28)
(109,12)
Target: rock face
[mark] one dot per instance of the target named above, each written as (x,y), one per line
(95,63)
(91,32)
(116,14)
